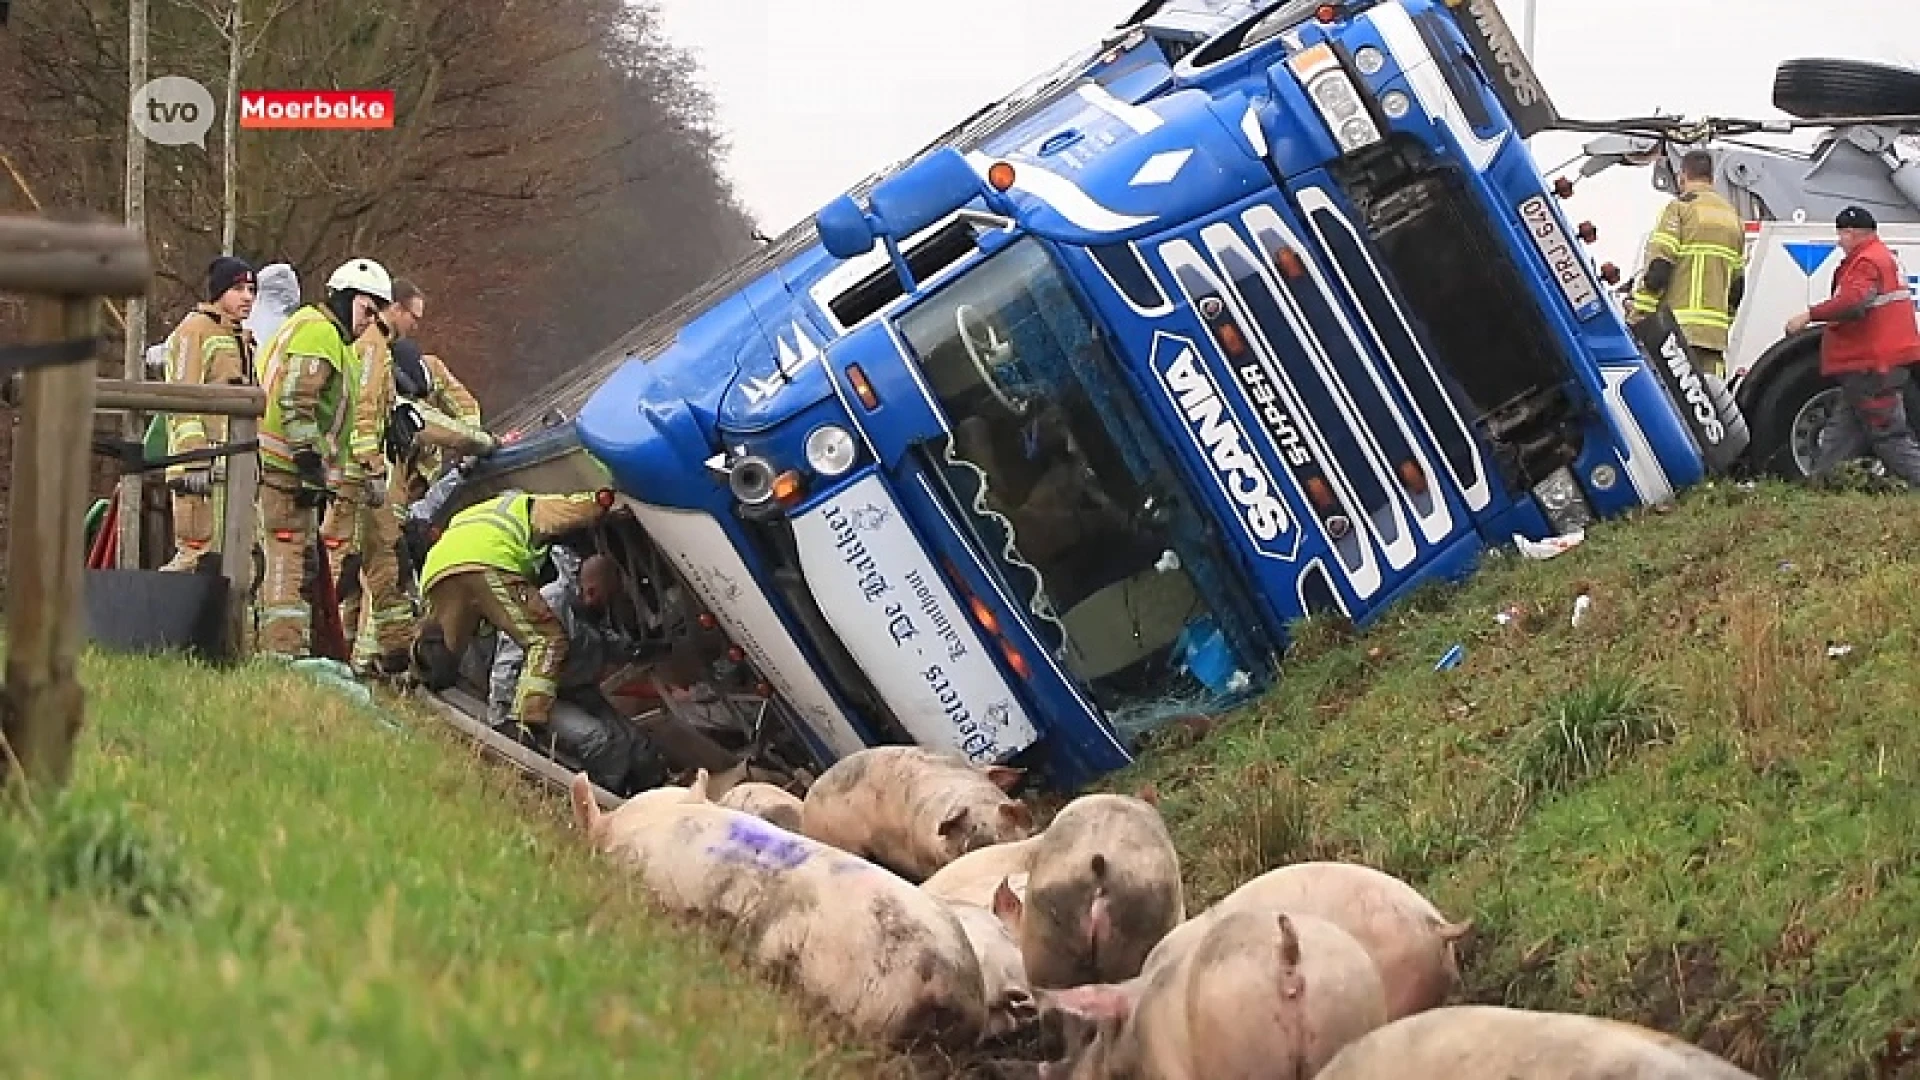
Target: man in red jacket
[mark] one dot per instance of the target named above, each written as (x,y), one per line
(1869,343)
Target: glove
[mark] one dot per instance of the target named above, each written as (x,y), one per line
(376,488)
(492,445)
(313,479)
(196,482)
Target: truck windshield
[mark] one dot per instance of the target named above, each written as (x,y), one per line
(1034,467)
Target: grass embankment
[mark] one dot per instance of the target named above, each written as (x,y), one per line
(1682,812)
(253,877)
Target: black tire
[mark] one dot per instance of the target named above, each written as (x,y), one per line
(1813,89)
(1790,385)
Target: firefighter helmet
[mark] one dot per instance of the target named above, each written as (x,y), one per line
(363,275)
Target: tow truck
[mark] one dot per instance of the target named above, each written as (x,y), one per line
(1866,153)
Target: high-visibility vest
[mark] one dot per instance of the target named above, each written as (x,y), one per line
(497,533)
(309,332)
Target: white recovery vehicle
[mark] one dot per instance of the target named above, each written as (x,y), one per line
(1867,154)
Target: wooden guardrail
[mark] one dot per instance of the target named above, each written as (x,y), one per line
(244,405)
(65,267)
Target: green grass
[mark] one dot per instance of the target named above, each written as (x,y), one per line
(253,877)
(1681,813)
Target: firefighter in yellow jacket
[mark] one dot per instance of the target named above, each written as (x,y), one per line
(349,524)
(1696,262)
(485,567)
(310,373)
(443,419)
(209,347)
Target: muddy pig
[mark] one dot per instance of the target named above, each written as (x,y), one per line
(1410,940)
(1256,995)
(974,878)
(1010,1003)
(911,810)
(1103,888)
(1490,1042)
(766,802)
(872,950)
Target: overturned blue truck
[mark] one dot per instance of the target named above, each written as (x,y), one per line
(1250,312)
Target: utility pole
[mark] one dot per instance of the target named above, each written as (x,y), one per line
(131,487)
(229,119)
(1526,40)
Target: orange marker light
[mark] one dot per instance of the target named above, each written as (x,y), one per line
(1326,13)
(707,621)
(786,487)
(736,654)
(862,389)
(1000,175)
(763,689)
(1015,661)
(1319,492)
(984,617)
(1290,263)
(1413,477)
(1230,339)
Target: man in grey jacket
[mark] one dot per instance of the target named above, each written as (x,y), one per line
(610,749)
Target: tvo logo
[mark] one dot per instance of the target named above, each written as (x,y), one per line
(173,111)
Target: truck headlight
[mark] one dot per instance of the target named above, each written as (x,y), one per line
(1564,504)
(830,450)
(1335,97)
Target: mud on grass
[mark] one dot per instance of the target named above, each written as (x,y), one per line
(1683,812)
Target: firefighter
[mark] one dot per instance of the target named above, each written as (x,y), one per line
(210,346)
(1869,343)
(611,751)
(443,419)
(1695,264)
(351,529)
(309,371)
(486,566)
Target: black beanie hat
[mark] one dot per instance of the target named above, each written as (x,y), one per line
(1854,217)
(224,274)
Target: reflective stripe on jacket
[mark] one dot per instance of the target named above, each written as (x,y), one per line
(1870,319)
(309,373)
(509,532)
(1701,236)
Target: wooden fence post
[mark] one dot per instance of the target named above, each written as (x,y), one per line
(64,267)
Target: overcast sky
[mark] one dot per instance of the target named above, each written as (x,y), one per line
(816,94)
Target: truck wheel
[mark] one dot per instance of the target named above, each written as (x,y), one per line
(1812,89)
(1788,415)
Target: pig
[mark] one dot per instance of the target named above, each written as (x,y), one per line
(1255,995)
(766,802)
(1103,887)
(872,950)
(1492,1042)
(1010,1002)
(911,810)
(1410,940)
(975,878)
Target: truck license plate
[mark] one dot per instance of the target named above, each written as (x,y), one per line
(1568,272)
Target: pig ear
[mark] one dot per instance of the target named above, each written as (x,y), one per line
(697,792)
(586,812)
(1004,777)
(1150,795)
(1016,814)
(1007,905)
(954,822)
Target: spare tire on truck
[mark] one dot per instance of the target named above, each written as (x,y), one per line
(1815,89)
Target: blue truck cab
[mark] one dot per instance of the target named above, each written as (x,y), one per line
(1251,312)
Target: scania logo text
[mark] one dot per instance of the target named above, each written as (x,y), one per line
(1693,389)
(1219,436)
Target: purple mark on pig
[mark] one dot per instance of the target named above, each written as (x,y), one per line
(750,843)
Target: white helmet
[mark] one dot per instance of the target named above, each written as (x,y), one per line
(363,275)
